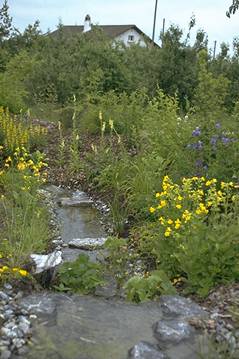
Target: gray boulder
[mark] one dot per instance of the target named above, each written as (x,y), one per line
(172,331)
(144,350)
(175,305)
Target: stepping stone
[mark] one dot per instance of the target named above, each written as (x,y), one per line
(144,350)
(87,243)
(172,331)
(78,199)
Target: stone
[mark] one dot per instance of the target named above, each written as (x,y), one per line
(11,333)
(5,354)
(8,286)
(43,304)
(44,262)
(144,350)
(172,331)
(18,343)
(78,199)
(4,296)
(175,305)
(87,243)
(24,327)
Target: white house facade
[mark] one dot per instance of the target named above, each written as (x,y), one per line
(126,34)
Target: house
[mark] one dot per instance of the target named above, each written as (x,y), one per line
(128,34)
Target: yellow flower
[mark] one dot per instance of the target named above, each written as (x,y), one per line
(161,220)
(167,232)
(21,166)
(180,198)
(23,272)
(178,206)
(170,221)
(166,178)
(223,185)
(151,209)
(163,203)
(201,209)
(177,223)
(157,195)
(186,216)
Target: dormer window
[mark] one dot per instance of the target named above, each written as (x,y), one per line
(131,38)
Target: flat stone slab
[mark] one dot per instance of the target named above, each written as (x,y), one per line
(144,350)
(44,262)
(175,305)
(87,243)
(172,331)
(78,199)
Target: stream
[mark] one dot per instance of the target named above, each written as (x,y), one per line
(104,326)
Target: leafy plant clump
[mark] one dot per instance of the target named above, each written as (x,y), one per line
(139,289)
(80,276)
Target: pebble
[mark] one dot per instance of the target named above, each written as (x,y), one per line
(15,323)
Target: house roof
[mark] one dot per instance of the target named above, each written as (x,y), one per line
(111,31)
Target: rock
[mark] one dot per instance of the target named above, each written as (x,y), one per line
(144,350)
(5,354)
(174,305)
(87,243)
(24,327)
(172,331)
(11,333)
(44,262)
(4,296)
(17,343)
(78,199)
(39,305)
(8,286)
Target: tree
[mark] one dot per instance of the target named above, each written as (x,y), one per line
(233,8)
(5,22)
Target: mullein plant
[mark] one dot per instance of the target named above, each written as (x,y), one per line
(61,146)
(75,163)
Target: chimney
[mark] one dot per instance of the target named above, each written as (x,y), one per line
(87,24)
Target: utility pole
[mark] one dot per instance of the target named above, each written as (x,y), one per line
(214,50)
(163,31)
(155,16)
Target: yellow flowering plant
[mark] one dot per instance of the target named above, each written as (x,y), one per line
(186,236)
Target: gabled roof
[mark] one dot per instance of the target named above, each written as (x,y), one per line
(112,31)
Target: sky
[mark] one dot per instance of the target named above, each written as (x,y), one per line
(210,15)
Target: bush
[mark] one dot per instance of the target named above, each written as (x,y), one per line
(194,232)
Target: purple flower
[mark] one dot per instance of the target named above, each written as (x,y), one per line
(196,146)
(196,132)
(199,145)
(213,140)
(218,125)
(225,140)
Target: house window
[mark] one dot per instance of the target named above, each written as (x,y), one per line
(130,38)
